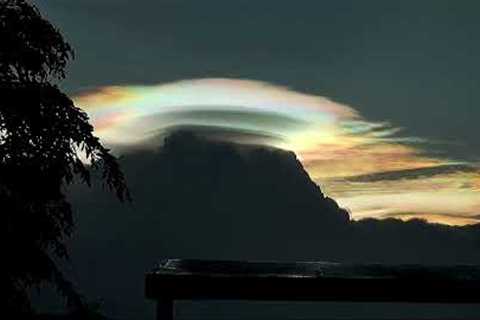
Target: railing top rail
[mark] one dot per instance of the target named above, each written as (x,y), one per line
(175,279)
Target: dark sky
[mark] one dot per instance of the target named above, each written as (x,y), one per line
(414,63)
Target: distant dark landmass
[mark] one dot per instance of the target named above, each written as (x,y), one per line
(196,198)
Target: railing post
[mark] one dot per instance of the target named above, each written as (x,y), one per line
(165,309)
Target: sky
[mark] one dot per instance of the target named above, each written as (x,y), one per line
(378,99)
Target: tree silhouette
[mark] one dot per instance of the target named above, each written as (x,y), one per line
(42,137)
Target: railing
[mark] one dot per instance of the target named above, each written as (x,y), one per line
(176,279)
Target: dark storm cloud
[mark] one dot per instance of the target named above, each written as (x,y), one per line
(209,132)
(195,198)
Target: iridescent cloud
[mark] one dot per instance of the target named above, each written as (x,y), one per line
(367,166)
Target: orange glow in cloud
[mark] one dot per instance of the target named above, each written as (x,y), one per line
(365,165)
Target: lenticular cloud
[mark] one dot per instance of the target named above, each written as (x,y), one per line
(333,141)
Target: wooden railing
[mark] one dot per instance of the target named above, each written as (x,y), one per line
(176,279)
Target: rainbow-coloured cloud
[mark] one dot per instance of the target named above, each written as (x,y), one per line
(365,165)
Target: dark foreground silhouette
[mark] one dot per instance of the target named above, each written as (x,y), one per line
(211,200)
(186,279)
(41,135)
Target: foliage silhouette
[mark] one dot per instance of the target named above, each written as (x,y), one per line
(42,135)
